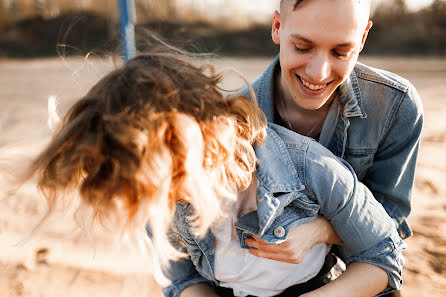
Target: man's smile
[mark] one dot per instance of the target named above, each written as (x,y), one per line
(312,87)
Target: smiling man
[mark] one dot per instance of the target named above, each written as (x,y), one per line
(319,45)
(369,117)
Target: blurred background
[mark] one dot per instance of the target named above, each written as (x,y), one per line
(60,48)
(33,28)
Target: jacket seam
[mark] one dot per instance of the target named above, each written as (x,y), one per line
(374,78)
(304,172)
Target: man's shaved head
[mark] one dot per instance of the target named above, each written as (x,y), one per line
(287,6)
(295,3)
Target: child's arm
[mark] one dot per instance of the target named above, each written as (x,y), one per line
(359,280)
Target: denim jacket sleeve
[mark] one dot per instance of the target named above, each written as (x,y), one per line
(361,222)
(397,153)
(180,272)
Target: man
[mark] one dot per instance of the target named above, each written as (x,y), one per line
(369,117)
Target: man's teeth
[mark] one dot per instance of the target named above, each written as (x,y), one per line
(311,86)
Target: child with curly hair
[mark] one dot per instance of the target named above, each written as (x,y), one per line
(155,143)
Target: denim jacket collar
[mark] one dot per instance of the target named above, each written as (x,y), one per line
(349,94)
(265,91)
(276,172)
(350,97)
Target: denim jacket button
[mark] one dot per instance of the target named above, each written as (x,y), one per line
(259,199)
(279,231)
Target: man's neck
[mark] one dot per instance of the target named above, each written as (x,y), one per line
(302,121)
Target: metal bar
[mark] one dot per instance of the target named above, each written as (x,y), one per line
(128,20)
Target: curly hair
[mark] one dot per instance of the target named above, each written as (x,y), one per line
(151,133)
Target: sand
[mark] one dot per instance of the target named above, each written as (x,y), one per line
(57,261)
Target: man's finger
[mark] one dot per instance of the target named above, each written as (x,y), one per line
(271,256)
(260,241)
(265,247)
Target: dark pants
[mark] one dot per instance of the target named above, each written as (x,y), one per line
(292,291)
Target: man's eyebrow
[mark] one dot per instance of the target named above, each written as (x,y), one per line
(345,44)
(304,39)
(297,36)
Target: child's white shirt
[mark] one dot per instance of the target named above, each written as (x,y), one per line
(247,274)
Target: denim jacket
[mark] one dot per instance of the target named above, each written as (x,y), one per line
(297,179)
(375,126)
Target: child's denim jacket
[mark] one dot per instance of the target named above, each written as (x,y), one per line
(375,126)
(297,179)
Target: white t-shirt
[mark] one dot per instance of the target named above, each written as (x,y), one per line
(246,274)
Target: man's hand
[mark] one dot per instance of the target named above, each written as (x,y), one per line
(352,282)
(299,241)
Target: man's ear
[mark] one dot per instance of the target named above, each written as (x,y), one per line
(366,33)
(275,32)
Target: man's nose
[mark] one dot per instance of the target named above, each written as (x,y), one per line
(319,68)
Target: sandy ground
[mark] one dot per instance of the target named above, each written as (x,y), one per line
(57,261)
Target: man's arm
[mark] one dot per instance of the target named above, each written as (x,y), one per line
(359,280)
(368,233)
(361,222)
(391,176)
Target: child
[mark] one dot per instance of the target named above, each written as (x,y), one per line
(155,142)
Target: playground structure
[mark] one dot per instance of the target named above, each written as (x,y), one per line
(127,12)
(239,11)
(127,21)
(50,8)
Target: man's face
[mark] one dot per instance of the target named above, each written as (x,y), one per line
(319,45)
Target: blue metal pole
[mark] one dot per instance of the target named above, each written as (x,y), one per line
(128,20)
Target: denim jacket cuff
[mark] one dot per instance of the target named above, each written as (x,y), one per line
(175,289)
(386,255)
